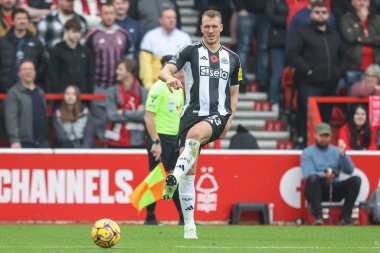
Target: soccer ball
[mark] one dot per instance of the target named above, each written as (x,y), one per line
(105,233)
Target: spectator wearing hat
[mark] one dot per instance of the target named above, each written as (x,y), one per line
(321,163)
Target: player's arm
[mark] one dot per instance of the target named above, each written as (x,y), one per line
(234,90)
(166,75)
(175,64)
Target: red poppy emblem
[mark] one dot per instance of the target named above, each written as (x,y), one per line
(214,58)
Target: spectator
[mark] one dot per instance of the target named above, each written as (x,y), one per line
(73,127)
(314,52)
(148,12)
(252,19)
(51,28)
(361,38)
(277,12)
(6,21)
(321,164)
(71,63)
(109,44)
(162,116)
(163,40)
(25,111)
(357,133)
(130,25)
(370,84)
(341,7)
(303,17)
(17,44)
(243,139)
(112,40)
(126,108)
(36,8)
(90,10)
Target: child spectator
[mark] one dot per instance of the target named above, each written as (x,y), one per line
(357,133)
(72,122)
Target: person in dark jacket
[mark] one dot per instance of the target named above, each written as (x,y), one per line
(243,139)
(6,9)
(130,25)
(277,12)
(302,18)
(17,44)
(361,36)
(252,20)
(51,27)
(71,63)
(25,111)
(73,126)
(315,53)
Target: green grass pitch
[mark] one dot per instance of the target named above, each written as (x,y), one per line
(167,239)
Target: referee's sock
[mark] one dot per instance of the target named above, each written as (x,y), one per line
(187,159)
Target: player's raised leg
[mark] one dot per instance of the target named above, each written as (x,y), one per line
(199,134)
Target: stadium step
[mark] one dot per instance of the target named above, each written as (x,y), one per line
(189,29)
(249,124)
(265,135)
(253,96)
(263,144)
(188,11)
(188,20)
(185,3)
(255,115)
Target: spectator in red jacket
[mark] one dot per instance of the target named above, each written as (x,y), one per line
(357,133)
(370,83)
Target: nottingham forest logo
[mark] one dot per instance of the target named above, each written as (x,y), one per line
(207,187)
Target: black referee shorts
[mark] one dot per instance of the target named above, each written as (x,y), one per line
(217,123)
(169,151)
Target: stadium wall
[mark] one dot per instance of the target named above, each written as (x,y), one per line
(76,185)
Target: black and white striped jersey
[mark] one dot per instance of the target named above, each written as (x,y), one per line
(208,77)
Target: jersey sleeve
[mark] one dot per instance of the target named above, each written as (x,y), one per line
(182,57)
(153,99)
(237,74)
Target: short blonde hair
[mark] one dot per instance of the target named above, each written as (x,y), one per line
(212,14)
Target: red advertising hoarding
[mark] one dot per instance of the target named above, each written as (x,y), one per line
(79,185)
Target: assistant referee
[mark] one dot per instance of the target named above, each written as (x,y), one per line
(162,117)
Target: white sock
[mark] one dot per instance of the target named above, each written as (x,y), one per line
(187,159)
(187,198)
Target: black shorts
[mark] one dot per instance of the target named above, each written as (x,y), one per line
(169,151)
(217,123)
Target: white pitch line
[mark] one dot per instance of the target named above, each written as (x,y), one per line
(54,247)
(272,247)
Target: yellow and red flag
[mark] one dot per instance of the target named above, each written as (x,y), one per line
(150,189)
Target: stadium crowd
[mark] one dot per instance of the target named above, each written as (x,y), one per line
(114,48)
